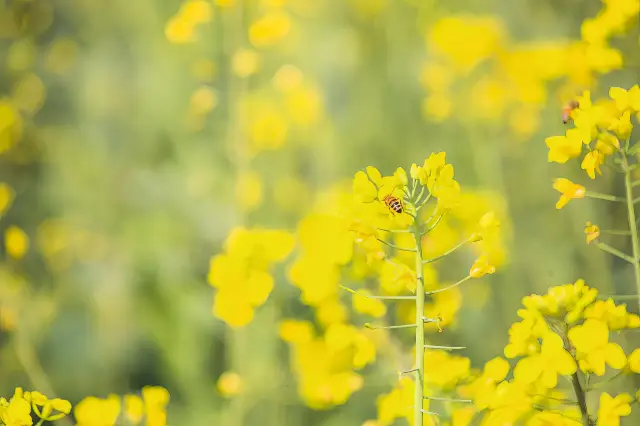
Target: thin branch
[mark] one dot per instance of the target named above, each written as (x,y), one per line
(607,248)
(614,232)
(388,327)
(445,348)
(436,398)
(413,370)
(369,296)
(619,296)
(446,253)
(432,226)
(449,286)
(395,246)
(605,197)
(399,231)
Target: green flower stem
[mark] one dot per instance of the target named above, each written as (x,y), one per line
(446,253)
(582,399)
(618,296)
(388,327)
(605,197)
(395,246)
(607,248)
(368,296)
(399,231)
(445,348)
(449,286)
(436,398)
(418,396)
(632,222)
(604,382)
(614,232)
(429,229)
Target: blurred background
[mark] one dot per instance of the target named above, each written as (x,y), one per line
(135,135)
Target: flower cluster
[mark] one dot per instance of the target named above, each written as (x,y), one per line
(326,364)
(602,129)
(513,75)
(150,407)
(241,274)
(566,332)
(17,410)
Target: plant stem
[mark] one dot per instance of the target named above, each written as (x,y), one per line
(582,400)
(418,398)
(632,222)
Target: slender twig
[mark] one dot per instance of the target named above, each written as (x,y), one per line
(437,398)
(614,232)
(607,248)
(399,231)
(429,229)
(605,197)
(395,246)
(419,380)
(448,252)
(632,222)
(604,382)
(445,348)
(618,296)
(449,286)
(369,296)
(582,400)
(387,327)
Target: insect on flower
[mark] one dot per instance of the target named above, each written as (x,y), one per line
(394,204)
(567,109)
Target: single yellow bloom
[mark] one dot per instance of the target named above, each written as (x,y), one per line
(569,191)
(481,267)
(593,349)
(634,361)
(622,126)
(563,148)
(626,99)
(553,360)
(591,163)
(611,409)
(592,231)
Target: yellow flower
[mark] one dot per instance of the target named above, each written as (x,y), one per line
(229,384)
(93,411)
(569,191)
(592,231)
(566,302)
(553,360)
(593,349)
(481,267)
(443,370)
(626,99)
(364,189)
(622,126)
(16,412)
(62,406)
(616,316)
(611,409)
(563,148)
(591,163)
(133,408)
(482,387)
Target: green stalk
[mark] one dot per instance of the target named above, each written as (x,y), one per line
(418,397)
(632,222)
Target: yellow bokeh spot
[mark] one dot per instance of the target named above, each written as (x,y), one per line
(437,106)
(287,78)
(29,94)
(6,197)
(203,70)
(249,190)
(62,56)
(245,62)
(179,31)
(270,29)
(229,384)
(203,100)
(16,242)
